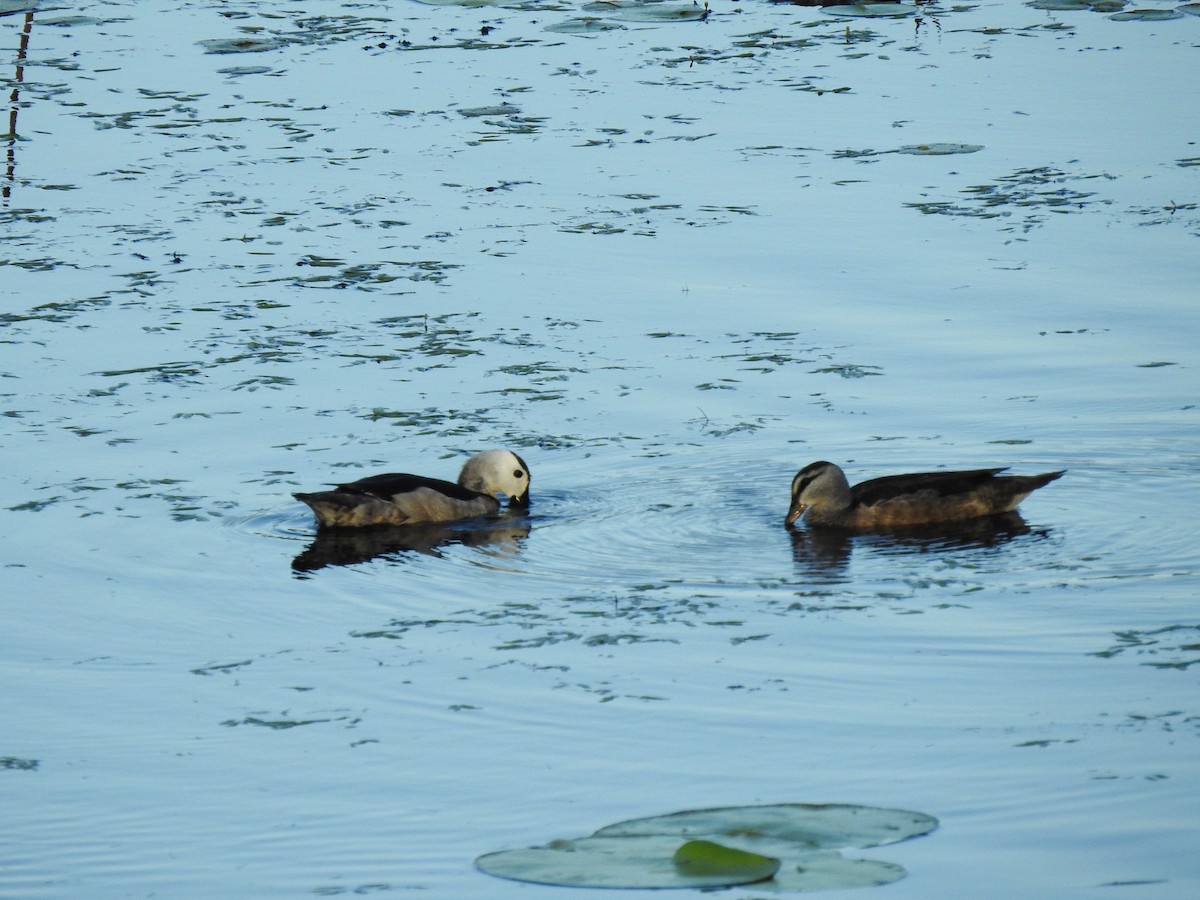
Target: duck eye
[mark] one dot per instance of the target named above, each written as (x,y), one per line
(518,474)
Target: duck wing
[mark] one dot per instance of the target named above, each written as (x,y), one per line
(393,484)
(921,484)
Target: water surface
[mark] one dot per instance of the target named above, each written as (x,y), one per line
(256,250)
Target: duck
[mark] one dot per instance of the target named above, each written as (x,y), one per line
(821,493)
(401,499)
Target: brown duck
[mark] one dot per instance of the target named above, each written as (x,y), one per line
(400,499)
(820,489)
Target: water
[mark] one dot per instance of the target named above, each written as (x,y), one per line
(684,267)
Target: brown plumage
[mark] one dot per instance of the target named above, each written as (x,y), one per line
(821,490)
(398,499)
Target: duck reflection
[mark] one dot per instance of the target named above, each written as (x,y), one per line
(823,553)
(502,536)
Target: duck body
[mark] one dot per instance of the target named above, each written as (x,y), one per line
(822,494)
(402,499)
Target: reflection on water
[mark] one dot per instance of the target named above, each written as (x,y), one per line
(347,546)
(824,553)
(15,99)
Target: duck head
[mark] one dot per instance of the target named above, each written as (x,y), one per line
(817,484)
(497,472)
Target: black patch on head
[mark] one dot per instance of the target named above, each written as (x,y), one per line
(813,468)
(807,476)
(521,501)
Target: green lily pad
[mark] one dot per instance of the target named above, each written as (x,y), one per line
(599,862)
(871,10)
(788,826)
(710,858)
(830,871)
(784,848)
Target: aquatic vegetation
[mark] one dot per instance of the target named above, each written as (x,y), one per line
(939,149)
(18,764)
(791,846)
(1171,647)
(1026,195)
(1146,15)
(873,10)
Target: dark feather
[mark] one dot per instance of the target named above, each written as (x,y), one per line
(387,486)
(936,484)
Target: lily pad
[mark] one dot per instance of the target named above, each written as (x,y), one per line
(939,149)
(657,12)
(239,45)
(872,10)
(504,109)
(808,826)
(583,25)
(789,847)
(1059,5)
(8,7)
(1146,15)
(710,858)
(600,862)
(245,70)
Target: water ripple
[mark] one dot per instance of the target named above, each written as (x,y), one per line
(706,520)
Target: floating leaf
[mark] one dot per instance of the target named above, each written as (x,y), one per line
(244,70)
(1059,5)
(872,10)
(599,862)
(710,858)
(8,7)
(660,12)
(782,848)
(239,45)
(939,149)
(812,826)
(504,109)
(1146,15)
(584,25)
(830,872)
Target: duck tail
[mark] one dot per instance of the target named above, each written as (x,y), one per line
(1043,480)
(1018,487)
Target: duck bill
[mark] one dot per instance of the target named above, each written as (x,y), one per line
(521,502)
(795,513)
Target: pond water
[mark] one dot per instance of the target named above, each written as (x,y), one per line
(669,258)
